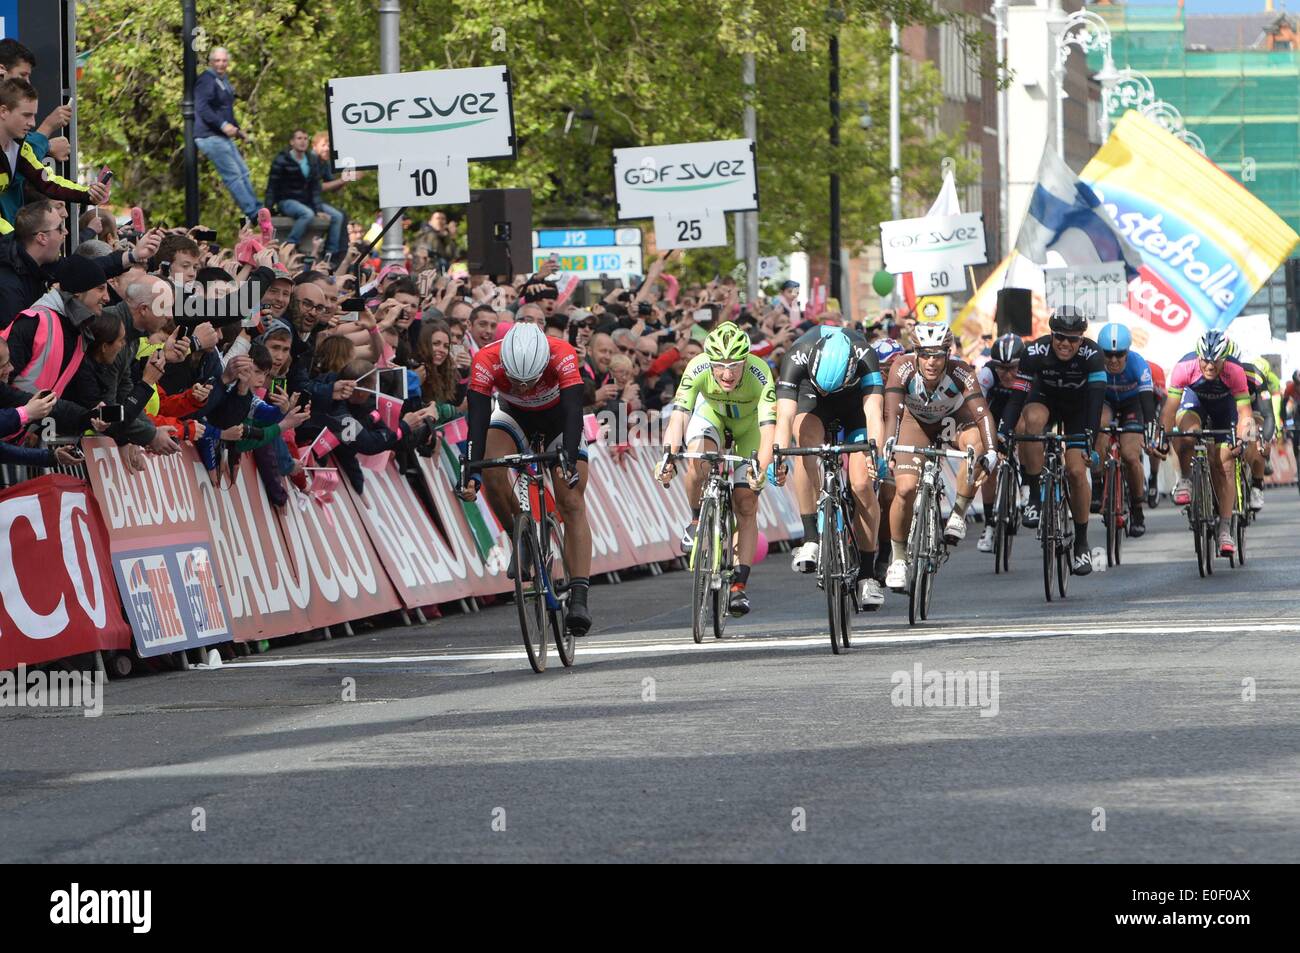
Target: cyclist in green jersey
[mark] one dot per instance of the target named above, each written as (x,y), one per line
(725,390)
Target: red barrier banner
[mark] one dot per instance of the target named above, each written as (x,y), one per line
(1284,466)
(301,567)
(161,548)
(57,596)
(405,539)
(473,574)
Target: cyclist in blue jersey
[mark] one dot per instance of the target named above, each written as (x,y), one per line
(1130,401)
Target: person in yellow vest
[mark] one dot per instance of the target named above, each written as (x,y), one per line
(18,104)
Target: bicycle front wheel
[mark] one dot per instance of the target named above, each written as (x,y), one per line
(557,577)
(1002,520)
(723,568)
(918,550)
(702,554)
(1110,514)
(530,593)
(832,569)
(1047,531)
(1065,539)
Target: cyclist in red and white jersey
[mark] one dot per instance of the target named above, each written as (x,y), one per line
(538,388)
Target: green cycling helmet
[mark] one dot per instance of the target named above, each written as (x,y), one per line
(727,342)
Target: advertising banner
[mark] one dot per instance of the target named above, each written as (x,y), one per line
(427,115)
(57,595)
(652,180)
(161,548)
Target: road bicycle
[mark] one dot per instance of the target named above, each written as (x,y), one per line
(713,556)
(1055,526)
(926,549)
(837,559)
(1242,514)
(1114,494)
(1202,512)
(541,570)
(1005,519)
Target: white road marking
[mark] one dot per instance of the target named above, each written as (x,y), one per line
(862,640)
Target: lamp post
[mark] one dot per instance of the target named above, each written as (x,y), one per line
(390,61)
(1004,225)
(1086,31)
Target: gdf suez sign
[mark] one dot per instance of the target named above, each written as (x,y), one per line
(462,112)
(933,244)
(655,180)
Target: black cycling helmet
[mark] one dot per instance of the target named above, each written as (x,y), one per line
(1008,349)
(1068,320)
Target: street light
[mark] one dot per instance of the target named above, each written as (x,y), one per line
(1090,33)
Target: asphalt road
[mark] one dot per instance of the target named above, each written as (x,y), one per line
(1122,707)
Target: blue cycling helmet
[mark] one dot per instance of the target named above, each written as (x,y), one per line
(886,350)
(1115,338)
(1213,346)
(832,362)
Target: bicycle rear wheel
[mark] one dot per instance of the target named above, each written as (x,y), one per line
(1241,540)
(725,564)
(934,539)
(702,555)
(917,548)
(557,575)
(530,593)
(849,578)
(1110,514)
(1001,512)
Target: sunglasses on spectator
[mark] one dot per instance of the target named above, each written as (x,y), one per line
(1067,338)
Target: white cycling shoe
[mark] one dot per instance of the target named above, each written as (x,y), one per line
(1256,498)
(896,576)
(870,594)
(805,557)
(985,544)
(955,530)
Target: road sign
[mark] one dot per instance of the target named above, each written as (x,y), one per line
(703,228)
(411,182)
(651,180)
(375,119)
(613,260)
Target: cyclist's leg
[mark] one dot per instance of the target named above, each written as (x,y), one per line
(506,435)
(1222,416)
(1035,419)
(847,409)
(907,474)
(572,503)
(745,437)
(809,431)
(1130,453)
(703,432)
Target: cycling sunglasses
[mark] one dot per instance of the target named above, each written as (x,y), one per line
(1067,338)
(931,352)
(1114,355)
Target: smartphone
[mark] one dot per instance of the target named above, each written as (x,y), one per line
(105,176)
(349,316)
(137,219)
(702,315)
(110,413)
(204,235)
(279,385)
(43,394)
(352,304)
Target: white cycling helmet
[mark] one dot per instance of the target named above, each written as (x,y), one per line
(932,335)
(524,352)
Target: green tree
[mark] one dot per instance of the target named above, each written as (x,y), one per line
(627,73)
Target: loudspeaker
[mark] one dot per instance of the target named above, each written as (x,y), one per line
(1015,313)
(500,232)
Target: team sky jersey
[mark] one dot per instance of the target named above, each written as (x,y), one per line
(754,395)
(957,394)
(487,376)
(1229,385)
(796,374)
(1045,377)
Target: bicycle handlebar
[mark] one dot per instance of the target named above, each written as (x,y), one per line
(936,452)
(1207,436)
(1048,437)
(826,450)
(711,456)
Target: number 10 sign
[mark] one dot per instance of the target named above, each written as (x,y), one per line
(706,228)
(409,182)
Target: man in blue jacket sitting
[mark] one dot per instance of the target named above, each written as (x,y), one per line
(294,186)
(215,130)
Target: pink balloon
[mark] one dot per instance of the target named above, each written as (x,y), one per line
(760,548)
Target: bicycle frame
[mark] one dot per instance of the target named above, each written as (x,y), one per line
(1055,525)
(926,549)
(1202,511)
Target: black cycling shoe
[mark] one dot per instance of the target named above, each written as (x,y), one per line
(578,619)
(738,602)
(1095,505)
(1137,524)
(1082,564)
(1029,515)
(1153,496)
(513,568)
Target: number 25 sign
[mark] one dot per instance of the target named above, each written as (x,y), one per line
(410,182)
(706,228)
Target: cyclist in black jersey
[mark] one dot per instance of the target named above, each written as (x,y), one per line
(998,379)
(830,375)
(1062,380)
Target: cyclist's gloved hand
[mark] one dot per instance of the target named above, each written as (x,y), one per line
(471,485)
(1094,459)
(771,474)
(989,460)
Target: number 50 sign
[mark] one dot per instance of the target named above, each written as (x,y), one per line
(410,182)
